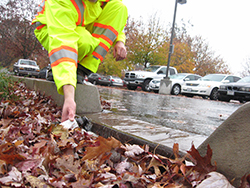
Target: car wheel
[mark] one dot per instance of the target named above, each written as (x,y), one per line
(156,91)
(242,101)
(176,89)
(94,82)
(145,86)
(204,97)
(131,87)
(214,94)
(189,95)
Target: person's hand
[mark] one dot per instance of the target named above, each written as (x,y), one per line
(69,106)
(120,51)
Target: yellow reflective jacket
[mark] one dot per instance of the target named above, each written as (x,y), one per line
(57,25)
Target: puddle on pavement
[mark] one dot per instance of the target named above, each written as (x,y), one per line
(194,118)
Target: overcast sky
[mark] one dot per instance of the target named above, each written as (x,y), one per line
(224,24)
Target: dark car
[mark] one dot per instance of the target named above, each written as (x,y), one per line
(239,91)
(110,81)
(49,75)
(43,73)
(94,78)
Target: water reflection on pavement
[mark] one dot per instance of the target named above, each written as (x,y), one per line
(174,118)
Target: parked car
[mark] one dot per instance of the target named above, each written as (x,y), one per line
(49,75)
(208,85)
(133,79)
(116,81)
(239,90)
(26,67)
(94,78)
(43,72)
(177,81)
(110,81)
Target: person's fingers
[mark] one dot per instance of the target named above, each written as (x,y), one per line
(64,117)
(121,54)
(71,115)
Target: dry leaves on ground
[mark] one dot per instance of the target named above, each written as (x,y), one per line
(36,151)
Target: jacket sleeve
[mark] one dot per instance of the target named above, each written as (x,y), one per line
(61,23)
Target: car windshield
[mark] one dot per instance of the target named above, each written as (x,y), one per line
(151,68)
(213,77)
(177,76)
(244,80)
(27,62)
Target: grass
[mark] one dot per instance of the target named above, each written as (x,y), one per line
(6,85)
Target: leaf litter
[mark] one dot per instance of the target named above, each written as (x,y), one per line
(37,151)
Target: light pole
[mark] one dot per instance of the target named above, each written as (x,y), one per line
(171,47)
(166,83)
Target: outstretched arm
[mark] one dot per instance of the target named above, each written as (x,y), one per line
(69,106)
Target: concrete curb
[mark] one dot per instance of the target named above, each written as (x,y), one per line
(230,145)
(87,97)
(107,131)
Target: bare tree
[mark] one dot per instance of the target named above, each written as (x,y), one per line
(246,68)
(17,39)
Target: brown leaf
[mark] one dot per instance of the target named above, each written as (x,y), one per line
(176,150)
(3,167)
(105,146)
(5,122)
(9,153)
(245,181)
(202,164)
(35,182)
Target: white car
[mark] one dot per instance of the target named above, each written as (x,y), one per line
(208,85)
(177,81)
(133,79)
(26,67)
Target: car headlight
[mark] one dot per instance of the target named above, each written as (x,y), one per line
(223,87)
(205,85)
(244,89)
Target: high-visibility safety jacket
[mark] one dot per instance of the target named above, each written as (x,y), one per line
(78,31)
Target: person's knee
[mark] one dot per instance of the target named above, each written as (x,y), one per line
(117,5)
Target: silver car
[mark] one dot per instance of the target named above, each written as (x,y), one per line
(26,67)
(207,86)
(177,81)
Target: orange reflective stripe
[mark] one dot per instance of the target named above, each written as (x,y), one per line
(80,7)
(106,27)
(105,32)
(101,51)
(97,55)
(40,27)
(41,9)
(103,37)
(54,64)
(104,46)
(63,47)
(63,53)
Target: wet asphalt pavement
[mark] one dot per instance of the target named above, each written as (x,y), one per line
(165,119)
